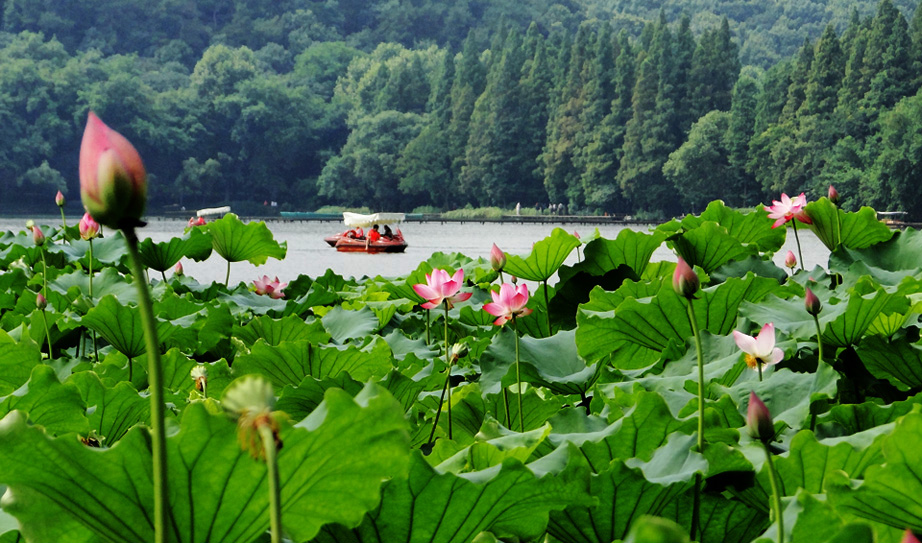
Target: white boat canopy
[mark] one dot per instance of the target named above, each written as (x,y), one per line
(209,211)
(364,221)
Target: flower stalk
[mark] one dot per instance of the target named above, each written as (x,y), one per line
(268,438)
(518,375)
(776,494)
(95,349)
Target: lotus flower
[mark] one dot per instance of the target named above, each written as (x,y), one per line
(497,258)
(833,195)
(509,302)
(440,287)
(177,270)
(759,420)
(909,537)
(40,301)
(113,182)
(812,303)
(685,281)
(790,260)
(37,236)
(271,288)
(788,209)
(760,350)
(89,228)
(59,199)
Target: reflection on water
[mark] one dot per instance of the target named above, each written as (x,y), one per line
(309,254)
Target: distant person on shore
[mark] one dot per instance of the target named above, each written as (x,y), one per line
(373,236)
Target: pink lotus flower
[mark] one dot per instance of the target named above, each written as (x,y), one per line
(812,303)
(59,199)
(41,302)
(89,228)
(196,221)
(909,537)
(684,280)
(759,420)
(760,350)
(113,182)
(37,236)
(497,258)
(833,195)
(439,287)
(788,209)
(178,271)
(509,302)
(790,260)
(271,288)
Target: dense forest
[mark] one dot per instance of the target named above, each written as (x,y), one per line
(406,104)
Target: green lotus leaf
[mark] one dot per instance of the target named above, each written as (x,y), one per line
(120,326)
(401,345)
(106,282)
(853,418)
(888,262)
(162,256)
(890,493)
(278,331)
(316,295)
(300,401)
(641,329)
(861,311)
(49,403)
(650,529)
(16,362)
(552,363)
(110,250)
(630,248)
(236,241)
(574,288)
(752,228)
(809,519)
(343,325)
(61,491)
(709,246)
(897,360)
(111,411)
(509,500)
(290,362)
(12,282)
(721,519)
(545,258)
(244,302)
(853,230)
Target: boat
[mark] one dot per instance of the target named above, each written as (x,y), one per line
(354,239)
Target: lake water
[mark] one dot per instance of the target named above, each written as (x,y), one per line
(308,254)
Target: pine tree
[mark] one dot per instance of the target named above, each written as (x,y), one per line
(715,69)
(888,60)
(740,131)
(826,76)
(470,79)
(797,90)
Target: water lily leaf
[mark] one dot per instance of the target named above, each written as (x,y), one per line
(290,362)
(709,246)
(49,403)
(278,331)
(890,493)
(16,362)
(653,324)
(545,258)
(853,230)
(897,360)
(552,363)
(62,491)
(195,244)
(343,325)
(236,241)
(111,411)
(508,500)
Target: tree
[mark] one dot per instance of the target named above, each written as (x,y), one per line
(700,169)
(739,133)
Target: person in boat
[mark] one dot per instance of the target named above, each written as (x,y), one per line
(373,236)
(388,233)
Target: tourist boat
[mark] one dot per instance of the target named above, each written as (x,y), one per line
(353,240)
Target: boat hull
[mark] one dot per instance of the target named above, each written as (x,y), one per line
(381,246)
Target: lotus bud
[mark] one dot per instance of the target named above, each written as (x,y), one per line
(909,537)
(41,302)
(177,270)
(685,281)
(812,303)
(37,236)
(89,229)
(459,350)
(497,258)
(113,182)
(576,234)
(59,199)
(759,420)
(833,195)
(790,260)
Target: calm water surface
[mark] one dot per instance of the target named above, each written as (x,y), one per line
(308,254)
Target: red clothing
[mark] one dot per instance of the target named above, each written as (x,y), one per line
(373,236)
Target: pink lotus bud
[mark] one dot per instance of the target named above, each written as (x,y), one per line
(89,229)
(497,258)
(177,270)
(113,182)
(576,234)
(59,199)
(790,260)
(812,303)
(909,537)
(41,302)
(685,281)
(759,420)
(833,195)
(37,236)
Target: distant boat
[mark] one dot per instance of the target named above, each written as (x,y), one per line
(213,211)
(354,240)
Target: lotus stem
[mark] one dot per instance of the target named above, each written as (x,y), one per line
(696,501)
(47,333)
(155,378)
(547,310)
(64,225)
(275,495)
(41,250)
(776,495)
(819,361)
(506,403)
(95,350)
(227,277)
(428,336)
(163,274)
(800,254)
(448,367)
(759,366)
(518,375)
(501,277)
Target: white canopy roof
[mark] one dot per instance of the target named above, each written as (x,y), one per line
(223,210)
(364,221)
